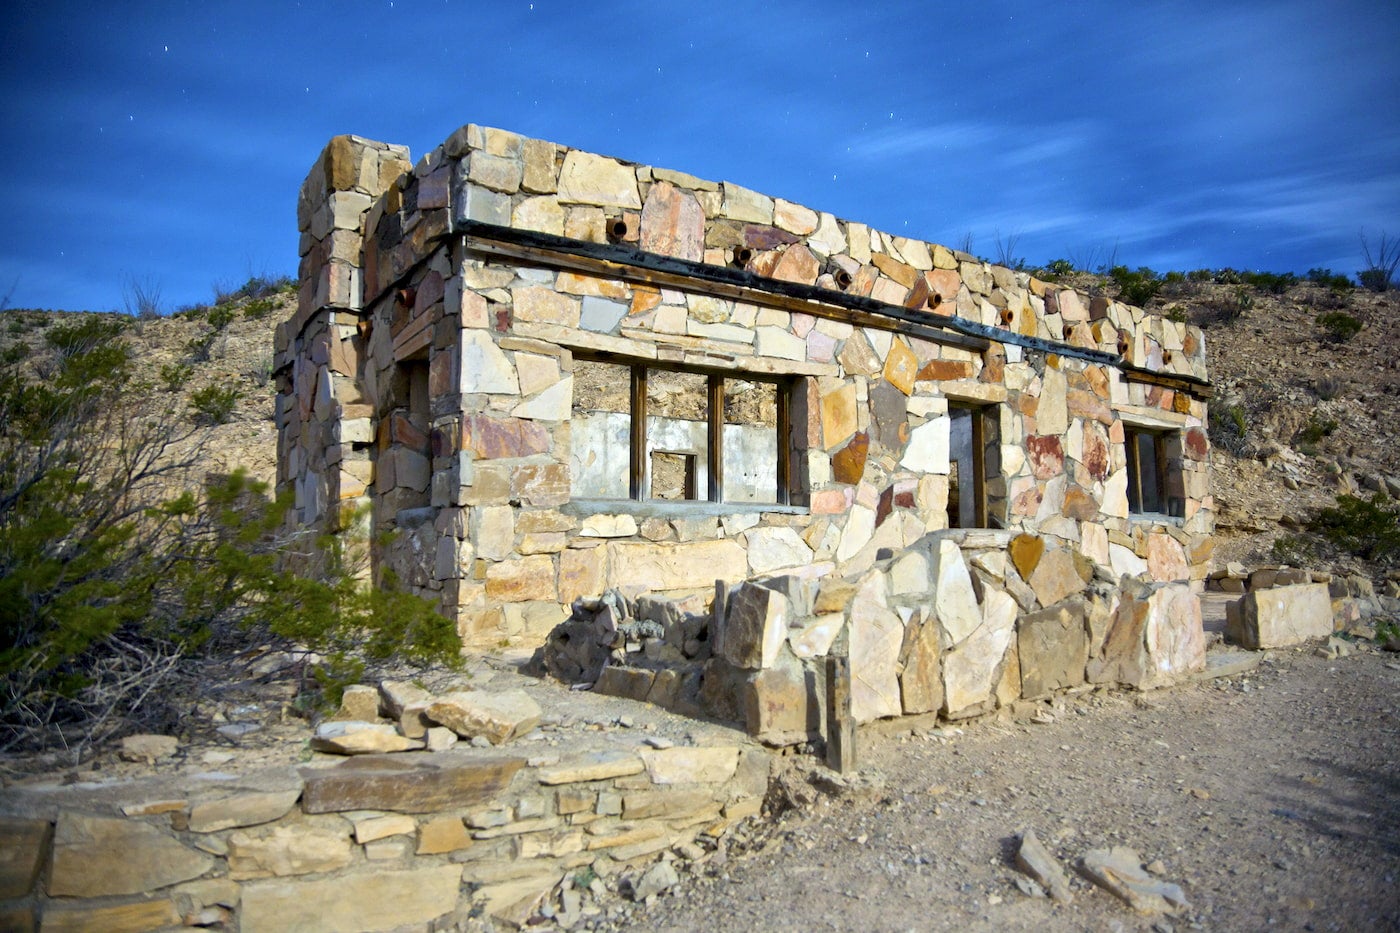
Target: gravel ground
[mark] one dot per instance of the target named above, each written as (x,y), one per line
(1272,798)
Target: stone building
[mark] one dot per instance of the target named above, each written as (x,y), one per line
(548,373)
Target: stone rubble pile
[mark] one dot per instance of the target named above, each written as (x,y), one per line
(1286,606)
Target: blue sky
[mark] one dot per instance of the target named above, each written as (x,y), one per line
(163,143)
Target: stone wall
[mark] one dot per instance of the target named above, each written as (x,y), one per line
(432,367)
(378,843)
(959,624)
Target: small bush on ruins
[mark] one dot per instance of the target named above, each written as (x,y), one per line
(1379,274)
(120,574)
(1339,325)
(1136,287)
(1365,528)
(1058,267)
(213,404)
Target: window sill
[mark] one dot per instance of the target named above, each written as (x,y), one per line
(668,508)
(1155,518)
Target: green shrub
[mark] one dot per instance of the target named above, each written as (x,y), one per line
(116,566)
(1228,276)
(256,286)
(1339,325)
(1200,275)
(1177,314)
(258,309)
(1058,267)
(1136,287)
(1317,428)
(213,404)
(220,317)
(1365,528)
(1272,282)
(174,376)
(1329,279)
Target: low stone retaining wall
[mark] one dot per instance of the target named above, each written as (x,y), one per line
(961,623)
(373,843)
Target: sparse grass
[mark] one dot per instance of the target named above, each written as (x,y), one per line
(1365,528)
(1328,388)
(141,298)
(258,309)
(1272,282)
(1229,425)
(256,286)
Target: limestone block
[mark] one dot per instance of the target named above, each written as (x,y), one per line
(542,214)
(928,447)
(1282,616)
(382,827)
(598,766)
(955,601)
(592,179)
(910,575)
(485,369)
(249,809)
(1124,561)
(499,716)
(778,708)
(95,856)
(1166,559)
(876,635)
(539,176)
(376,900)
(529,578)
(286,850)
(632,683)
(136,917)
(23,845)
(858,530)
(921,680)
(815,637)
(1052,411)
(1056,577)
(689,566)
(360,738)
(827,239)
(755,626)
(673,223)
(778,548)
(406,784)
(971,670)
(1155,637)
(690,764)
(1053,648)
(498,173)
(602,525)
(742,204)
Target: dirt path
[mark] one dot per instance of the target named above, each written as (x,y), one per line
(1272,798)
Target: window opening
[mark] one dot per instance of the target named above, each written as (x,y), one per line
(972,457)
(647,432)
(1149,474)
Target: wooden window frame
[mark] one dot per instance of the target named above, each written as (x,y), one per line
(714,491)
(1159,466)
(979,416)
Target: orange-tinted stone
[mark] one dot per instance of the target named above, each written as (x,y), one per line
(1025,554)
(1046,454)
(848,464)
(941,370)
